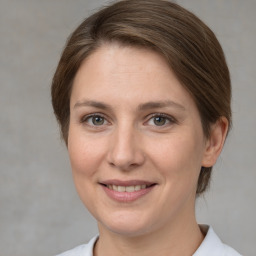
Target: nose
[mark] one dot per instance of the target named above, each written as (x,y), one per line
(126,150)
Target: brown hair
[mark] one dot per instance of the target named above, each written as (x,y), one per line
(188,45)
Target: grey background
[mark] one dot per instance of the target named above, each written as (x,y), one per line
(40,213)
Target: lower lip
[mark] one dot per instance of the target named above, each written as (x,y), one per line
(126,196)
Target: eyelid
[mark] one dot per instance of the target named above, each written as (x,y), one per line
(171,119)
(84,118)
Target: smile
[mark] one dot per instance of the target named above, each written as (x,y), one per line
(127,188)
(126,191)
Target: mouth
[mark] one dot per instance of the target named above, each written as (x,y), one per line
(126,191)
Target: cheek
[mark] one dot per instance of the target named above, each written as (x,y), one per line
(179,157)
(85,158)
(84,153)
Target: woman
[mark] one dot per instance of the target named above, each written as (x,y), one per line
(142,95)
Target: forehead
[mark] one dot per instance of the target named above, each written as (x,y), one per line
(113,58)
(117,72)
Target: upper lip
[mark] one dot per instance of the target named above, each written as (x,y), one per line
(126,182)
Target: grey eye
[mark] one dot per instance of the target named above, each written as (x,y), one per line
(159,120)
(97,120)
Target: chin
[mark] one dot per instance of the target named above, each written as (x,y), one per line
(125,225)
(128,230)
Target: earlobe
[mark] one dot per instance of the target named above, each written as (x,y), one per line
(215,142)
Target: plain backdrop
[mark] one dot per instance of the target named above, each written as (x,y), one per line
(40,212)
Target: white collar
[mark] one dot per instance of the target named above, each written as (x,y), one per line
(211,246)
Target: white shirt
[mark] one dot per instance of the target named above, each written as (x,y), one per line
(211,246)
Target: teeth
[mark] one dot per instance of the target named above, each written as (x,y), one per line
(126,188)
(137,187)
(120,189)
(130,189)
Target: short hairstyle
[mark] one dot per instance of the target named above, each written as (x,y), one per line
(189,47)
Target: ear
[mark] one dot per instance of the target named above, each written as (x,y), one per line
(215,142)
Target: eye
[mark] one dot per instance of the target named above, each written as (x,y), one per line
(97,120)
(160,120)
(94,120)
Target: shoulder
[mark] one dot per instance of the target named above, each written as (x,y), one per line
(81,250)
(213,246)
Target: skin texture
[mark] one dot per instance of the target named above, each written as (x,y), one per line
(128,142)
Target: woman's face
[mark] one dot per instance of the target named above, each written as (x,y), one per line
(135,142)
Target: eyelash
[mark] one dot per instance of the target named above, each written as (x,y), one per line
(87,117)
(167,118)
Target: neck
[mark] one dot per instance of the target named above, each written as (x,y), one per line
(179,240)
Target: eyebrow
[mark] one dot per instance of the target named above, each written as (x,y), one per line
(92,103)
(141,107)
(160,104)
